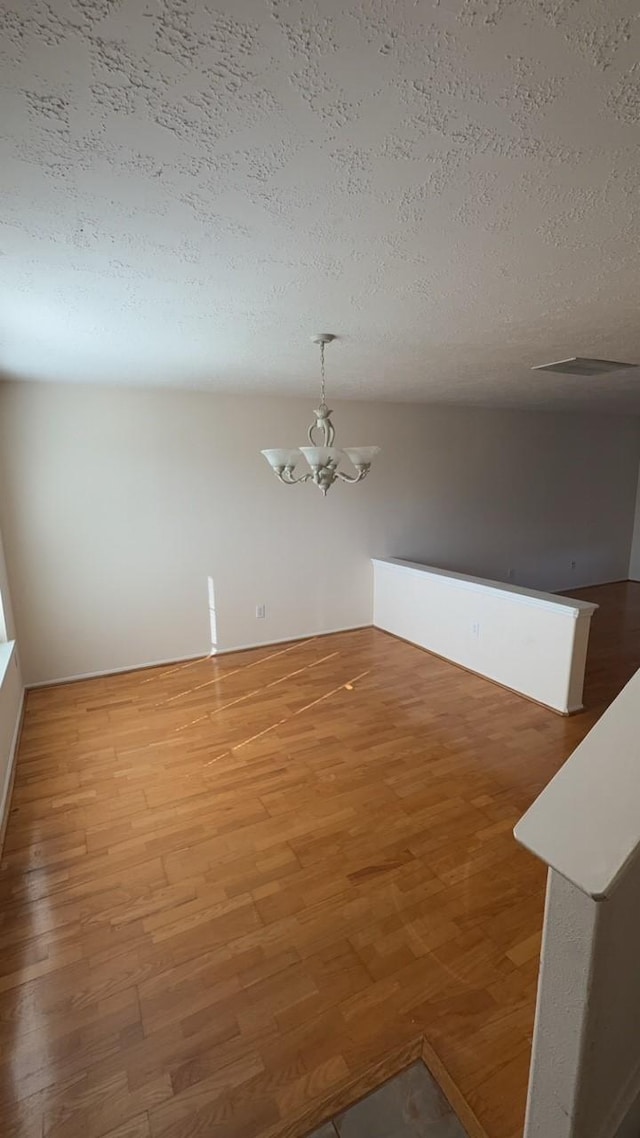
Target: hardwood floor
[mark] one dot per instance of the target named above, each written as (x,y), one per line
(237,893)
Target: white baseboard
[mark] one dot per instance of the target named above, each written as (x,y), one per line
(290,639)
(115,671)
(7,790)
(188,659)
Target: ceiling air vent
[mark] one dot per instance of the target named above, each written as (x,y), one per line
(580,365)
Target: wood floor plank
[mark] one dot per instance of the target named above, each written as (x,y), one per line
(238,892)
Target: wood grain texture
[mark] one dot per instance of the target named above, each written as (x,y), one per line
(238,893)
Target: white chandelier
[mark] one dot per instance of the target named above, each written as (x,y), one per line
(324,459)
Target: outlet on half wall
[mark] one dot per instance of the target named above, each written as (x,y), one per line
(261,612)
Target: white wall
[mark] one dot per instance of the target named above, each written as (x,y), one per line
(585,1071)
(634,561)
(7,607)
(531,642)
(119,503)
(11,697)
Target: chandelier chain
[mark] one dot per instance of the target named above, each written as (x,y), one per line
(322,376)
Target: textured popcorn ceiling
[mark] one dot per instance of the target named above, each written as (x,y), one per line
(191,188)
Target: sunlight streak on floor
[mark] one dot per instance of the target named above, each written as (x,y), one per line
(256,691)
(244,668)
(347,686)
(170,671)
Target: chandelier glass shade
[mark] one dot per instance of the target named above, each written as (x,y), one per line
(323,460)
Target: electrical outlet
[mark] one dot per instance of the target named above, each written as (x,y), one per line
(573,564)
(261,612)
(475,628)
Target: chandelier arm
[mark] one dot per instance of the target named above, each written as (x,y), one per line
(286,475)
(322,423)
(362,473)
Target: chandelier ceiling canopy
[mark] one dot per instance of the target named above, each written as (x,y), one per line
(323,459)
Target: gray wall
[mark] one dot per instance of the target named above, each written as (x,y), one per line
(118,504)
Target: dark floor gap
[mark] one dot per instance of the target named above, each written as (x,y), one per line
(411,1105)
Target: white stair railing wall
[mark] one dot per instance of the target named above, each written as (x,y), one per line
(585,1069)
